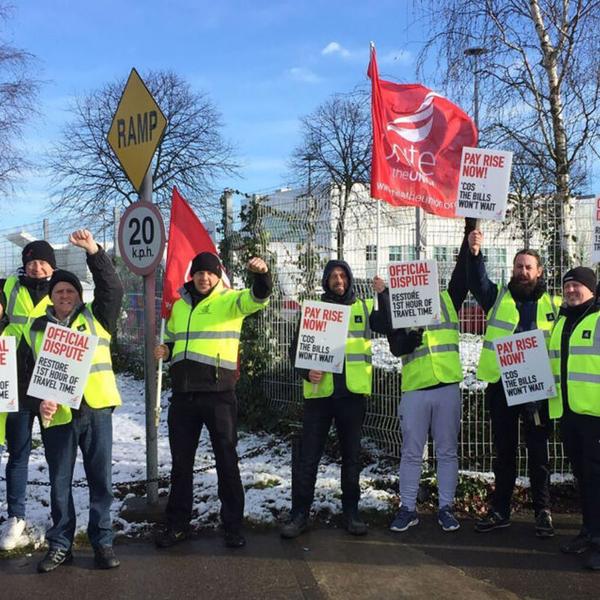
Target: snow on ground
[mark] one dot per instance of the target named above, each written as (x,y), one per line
(265,465)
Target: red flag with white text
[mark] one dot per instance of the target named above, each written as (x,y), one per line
(187,237)
(418,137)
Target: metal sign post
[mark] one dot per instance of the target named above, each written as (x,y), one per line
(136,131)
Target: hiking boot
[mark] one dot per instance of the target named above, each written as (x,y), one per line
(297,524)
(404,519)
(578,545)
(493,520)
(593,560)
(543,524)
(354,524)
(234,539)
(169,537)
(105,558)
(13,529)
(447,520)
(54,558)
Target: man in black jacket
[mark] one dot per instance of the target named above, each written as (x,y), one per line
(203,334)
(90,426)
(21,297)
(336,397)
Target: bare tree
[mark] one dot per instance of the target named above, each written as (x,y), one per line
(18,92)
(87,177)
(539,74)
(335,153)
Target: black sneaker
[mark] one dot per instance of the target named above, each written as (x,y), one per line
(234,539)
(294,527)
(578,545)
(493,520)
(543,524)
(354,524)
(169,537)
(54,558)
(593,560)
(104,557)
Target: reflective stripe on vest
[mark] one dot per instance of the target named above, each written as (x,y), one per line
(437,360)
(583,367)
(19,307)
(357,363)
(502,320)
(209,333)
(101,387)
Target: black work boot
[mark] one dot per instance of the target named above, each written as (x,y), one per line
(353,523)
(297,524)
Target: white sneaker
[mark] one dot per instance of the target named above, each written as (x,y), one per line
(13,529)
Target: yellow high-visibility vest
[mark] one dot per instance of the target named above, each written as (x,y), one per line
(20,307)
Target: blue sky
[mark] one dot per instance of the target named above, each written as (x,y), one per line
(263,64)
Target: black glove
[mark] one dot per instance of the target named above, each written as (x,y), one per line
(531,408)
(414,339)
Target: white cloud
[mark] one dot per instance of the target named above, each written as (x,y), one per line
(336,48)
(303,75)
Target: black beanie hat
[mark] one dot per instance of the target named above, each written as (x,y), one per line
(583,275)
(39,250)
(62,275)
(206,261)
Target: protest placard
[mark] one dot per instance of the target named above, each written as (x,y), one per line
(414,293)
(483,183)
(525,367)
(595,250)
(322,336)
(62,365)
(9,391)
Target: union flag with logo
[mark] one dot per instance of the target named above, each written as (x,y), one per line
(418,137)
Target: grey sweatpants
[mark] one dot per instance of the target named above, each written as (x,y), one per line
(420,410)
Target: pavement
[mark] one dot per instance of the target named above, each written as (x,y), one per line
(325,563)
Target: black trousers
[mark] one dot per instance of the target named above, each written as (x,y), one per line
(581,438)
(505,426)
(187,414)
(348,413)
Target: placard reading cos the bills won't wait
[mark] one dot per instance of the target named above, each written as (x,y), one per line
(62,365)
(322,336)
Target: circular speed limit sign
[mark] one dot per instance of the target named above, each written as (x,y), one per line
(142,237)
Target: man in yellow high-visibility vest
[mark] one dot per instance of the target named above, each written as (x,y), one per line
(521,305)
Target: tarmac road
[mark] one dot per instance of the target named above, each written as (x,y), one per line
(325,563)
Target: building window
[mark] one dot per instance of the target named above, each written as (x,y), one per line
(371,253)
(402,253)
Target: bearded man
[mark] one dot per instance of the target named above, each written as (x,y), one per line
(522,305)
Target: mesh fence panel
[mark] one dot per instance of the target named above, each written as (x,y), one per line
(300,233)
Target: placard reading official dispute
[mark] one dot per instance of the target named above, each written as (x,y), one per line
(62,366)
(9,392)
(595,250)
(525,367)
(322,336)
(414,293)
(483,183)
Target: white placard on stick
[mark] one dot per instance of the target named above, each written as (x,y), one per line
(62,366)
(595,250)
(525,367)
(414,293)
(483,183)
(9,391)
(322,336)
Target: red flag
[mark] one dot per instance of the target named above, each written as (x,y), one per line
(187,237)
(418,137)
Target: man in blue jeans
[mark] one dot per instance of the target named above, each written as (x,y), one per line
(22,296)
(89,427)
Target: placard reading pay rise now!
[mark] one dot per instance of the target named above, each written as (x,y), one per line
(322,336)
(414,293)
(62,366)
(525,367)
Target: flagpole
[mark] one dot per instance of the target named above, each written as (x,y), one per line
(377,230)
(159,375)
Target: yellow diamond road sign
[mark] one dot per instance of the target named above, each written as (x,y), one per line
(136,129)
